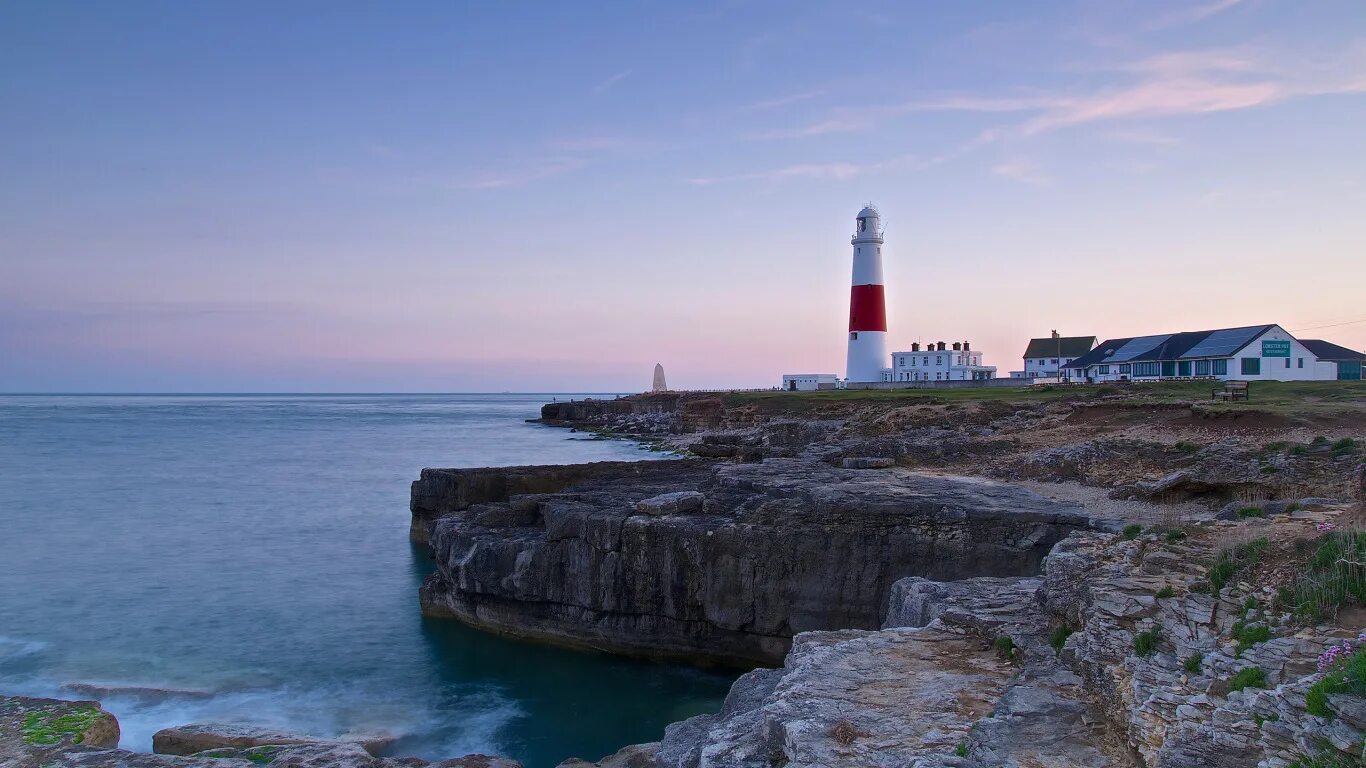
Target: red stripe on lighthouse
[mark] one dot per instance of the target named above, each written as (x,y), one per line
(867,308)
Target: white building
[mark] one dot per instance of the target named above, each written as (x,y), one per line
(1047,357)
(808,382)
(1251,353)
(939,362)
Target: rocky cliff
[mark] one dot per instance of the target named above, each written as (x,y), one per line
(719,562)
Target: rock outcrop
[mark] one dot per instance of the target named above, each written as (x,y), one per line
(718,562)
(38,733)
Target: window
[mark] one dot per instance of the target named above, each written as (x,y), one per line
(937,375)
(1183,368)
(1201,367)
(853,335)
(1125,369)
(927,361)
(1055,361)
(901,361)
(1301,363)
(1169,368)
(1252,366)
(1219,367)
(1287,362)
(1103,370)
(938,359)
(1147,369)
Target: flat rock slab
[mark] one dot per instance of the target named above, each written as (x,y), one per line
(853,699)
(199,737)
(675,503)
(36,727)
(867,462)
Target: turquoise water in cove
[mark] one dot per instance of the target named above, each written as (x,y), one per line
(250,554)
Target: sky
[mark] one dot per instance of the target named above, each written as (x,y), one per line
(444,196)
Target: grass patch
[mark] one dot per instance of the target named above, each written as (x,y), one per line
(1166,591)
(1334,576)
(1248,677)
(1192,662)
(1132,530)
(1247,512)
(43,728)
(1329,757)
(962,749)
(1059,637)
(1185,446)
(1145,643)
(1248,635)
(1005,647)
(1345,445)
(1175,534)
(1232,560)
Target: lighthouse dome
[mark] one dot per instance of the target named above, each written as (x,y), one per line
(870,211)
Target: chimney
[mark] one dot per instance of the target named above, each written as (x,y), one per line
(966,347)
(941,346)
(957,347)
(915,346)
(1055,334)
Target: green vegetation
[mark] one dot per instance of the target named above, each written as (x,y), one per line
(1175,534)
(1193,662)
(1249,635)
(1246,512)
(1294,397)
(1232,560)
(1271,718)
(1345,445)
(1329,757)
(1346,676)
(1166,591)
(45,727)
(1059,637)
(1247,677)
(962,749)
(1005,647)
(1132,530)
(1145,643)
(1334,576)
(1186,447)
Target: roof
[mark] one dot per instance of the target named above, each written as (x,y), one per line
(1187,345)
(1063,346)
(1325,350)
(869,211)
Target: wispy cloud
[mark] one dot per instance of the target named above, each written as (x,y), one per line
(520,174)
(1023,170)
(783,101)
(832,171)
(605,85)
(819,128)
(1192,14)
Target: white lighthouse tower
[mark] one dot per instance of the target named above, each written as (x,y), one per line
(867,302)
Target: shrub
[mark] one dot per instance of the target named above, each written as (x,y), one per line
(1246,512)
(1132,530)
(1249,635)
(962,749)
(1166,591)
(1267,469)
(1005,647)
(1145,643)
(1247,677)
(1344,445)
(1193,662)
(1185,446)
(1059,637)
(1175,535)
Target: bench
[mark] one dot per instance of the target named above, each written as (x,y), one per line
(1232,390)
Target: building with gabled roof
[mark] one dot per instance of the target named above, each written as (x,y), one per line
(1045,357)
(1247,353)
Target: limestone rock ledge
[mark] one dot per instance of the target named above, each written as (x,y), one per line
(589,555)
(36,733)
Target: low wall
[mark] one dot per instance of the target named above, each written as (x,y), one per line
(978,384)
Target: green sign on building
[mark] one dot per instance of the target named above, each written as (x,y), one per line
(1275,348)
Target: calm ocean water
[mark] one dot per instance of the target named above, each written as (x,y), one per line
(252,552)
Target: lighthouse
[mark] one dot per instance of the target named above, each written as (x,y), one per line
(867,303)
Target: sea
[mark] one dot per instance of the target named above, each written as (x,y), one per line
(245,558)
